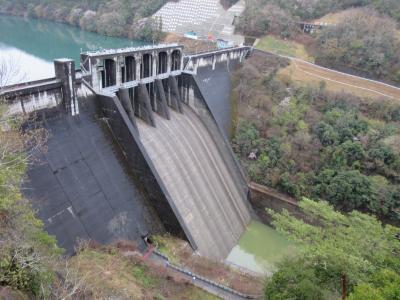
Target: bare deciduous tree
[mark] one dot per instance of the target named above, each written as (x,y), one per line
(70,284)
(10,72)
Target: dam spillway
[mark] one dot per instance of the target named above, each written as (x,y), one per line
(153,105)
(186,158)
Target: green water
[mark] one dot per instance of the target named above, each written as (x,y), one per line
(33,44)
(260,249)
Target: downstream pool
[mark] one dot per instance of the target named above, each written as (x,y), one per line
(31,45)
(260,249)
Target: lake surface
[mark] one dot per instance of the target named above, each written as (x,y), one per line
(32,45)
(260,249)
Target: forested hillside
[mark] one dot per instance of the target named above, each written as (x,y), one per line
(344,152)
(313,9)
(114,18)
(365,39)
(350,255)
(309,142)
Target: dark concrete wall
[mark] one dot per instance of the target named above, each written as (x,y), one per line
(216,88)
(80,186)
(138,162)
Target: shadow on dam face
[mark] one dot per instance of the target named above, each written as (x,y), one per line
(216,87)
(80,186)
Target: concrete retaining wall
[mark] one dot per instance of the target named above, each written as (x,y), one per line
(262,198)
(38,95)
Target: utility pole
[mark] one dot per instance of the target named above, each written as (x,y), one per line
(343,287)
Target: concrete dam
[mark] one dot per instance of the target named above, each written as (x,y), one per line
(160,159)
(186,158)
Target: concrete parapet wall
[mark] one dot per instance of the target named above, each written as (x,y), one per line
(34,96)
(39,100)
(211,58)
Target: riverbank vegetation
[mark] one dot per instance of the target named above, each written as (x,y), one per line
(112,18)
(345,254)
(339,149)
(27,253)
(306,141)
(364,40)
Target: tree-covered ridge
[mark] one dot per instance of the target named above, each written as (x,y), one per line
(365,39)
(309,142)
(113,18)
(312,9)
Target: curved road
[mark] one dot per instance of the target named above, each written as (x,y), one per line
(365,86)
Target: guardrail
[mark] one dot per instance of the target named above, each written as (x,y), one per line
(204,279)
(216,52)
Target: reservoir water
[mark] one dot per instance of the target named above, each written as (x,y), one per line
(260,249)
(31,45)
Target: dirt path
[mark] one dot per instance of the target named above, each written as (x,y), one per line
(305,72)
(365,86)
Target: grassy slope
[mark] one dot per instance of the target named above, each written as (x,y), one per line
(109,274)
(283,47)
